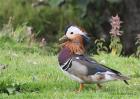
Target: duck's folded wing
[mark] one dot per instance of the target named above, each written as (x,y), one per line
(87,69)
(91,66)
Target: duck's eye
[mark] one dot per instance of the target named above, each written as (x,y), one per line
(71,32)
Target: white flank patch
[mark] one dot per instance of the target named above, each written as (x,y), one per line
(76,30)
(77,58)
(107,77)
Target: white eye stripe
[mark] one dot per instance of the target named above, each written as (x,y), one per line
(75,30)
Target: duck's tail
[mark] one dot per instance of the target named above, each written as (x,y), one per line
(121,77)
(126,82)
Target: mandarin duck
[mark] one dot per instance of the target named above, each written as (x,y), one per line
(80,67)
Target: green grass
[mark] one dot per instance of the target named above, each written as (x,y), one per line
(33,73)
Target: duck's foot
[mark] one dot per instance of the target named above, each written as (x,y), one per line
(80,88)
(99,86)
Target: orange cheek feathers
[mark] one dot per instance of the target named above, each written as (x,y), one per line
(74,47)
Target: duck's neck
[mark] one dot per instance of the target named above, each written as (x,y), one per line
(75,46)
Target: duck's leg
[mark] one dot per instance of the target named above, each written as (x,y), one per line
(99,85)
(81,87)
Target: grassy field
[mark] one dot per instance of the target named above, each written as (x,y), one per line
(33,73)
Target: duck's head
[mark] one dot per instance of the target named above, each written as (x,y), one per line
(75,35)
(75,39)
